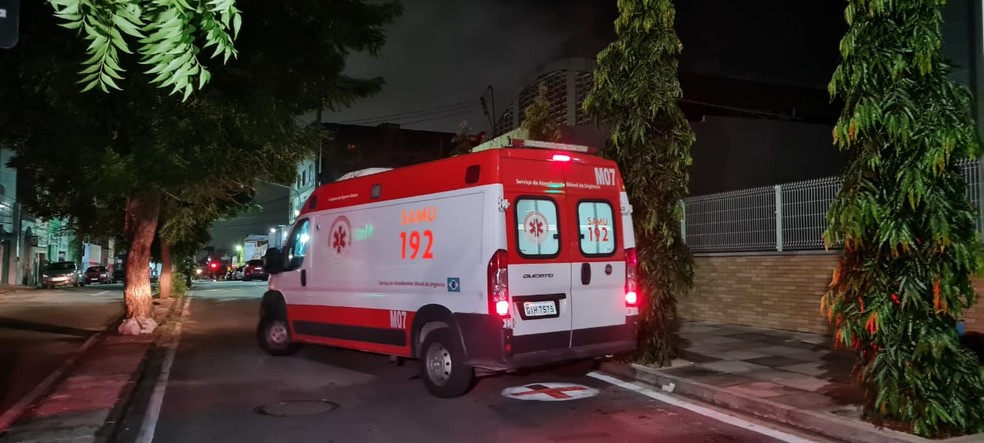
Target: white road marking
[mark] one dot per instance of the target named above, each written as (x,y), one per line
(149,425)
(101,292)
(719,416)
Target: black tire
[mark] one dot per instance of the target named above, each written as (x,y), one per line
(274,336)
(442,365)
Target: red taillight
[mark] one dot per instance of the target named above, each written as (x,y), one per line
(502,308)
(499,284)
(561,158)
(631,291)
(631,298)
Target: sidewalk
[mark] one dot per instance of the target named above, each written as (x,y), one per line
(81,406)
(793,378)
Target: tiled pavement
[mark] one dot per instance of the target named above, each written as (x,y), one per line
(797,369)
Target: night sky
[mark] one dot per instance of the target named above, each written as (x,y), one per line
(445,52)
(442,55)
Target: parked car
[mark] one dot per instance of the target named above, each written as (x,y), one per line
(98,274)
(119,274)
(254,271)
(62,273)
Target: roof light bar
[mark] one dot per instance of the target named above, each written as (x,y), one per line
(518,143)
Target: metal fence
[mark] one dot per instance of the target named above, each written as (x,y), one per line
(786,217)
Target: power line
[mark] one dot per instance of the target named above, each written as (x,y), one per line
(438,117)
(735,109)
(411,114)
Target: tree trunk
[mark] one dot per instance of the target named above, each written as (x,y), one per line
(142,212)
(166,284)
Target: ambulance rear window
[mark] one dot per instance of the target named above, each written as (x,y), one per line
(537,228)
(596,220)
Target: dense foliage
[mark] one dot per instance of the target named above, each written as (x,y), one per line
(144,163)
(910,242)
(537,121)
(635,93)
(166,34)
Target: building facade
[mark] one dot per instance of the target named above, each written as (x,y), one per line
(28,243)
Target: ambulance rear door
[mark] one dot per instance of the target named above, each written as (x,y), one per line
(597,257)
(539,258)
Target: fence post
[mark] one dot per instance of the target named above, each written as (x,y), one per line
(778,218)
(683,221)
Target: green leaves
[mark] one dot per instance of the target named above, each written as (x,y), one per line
(635,94)
(909,232)
(537,121)
(165,31)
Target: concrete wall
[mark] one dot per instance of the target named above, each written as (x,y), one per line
(777,291)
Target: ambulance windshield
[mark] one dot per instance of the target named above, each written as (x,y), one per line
(299,240)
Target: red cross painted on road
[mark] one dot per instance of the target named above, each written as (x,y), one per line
(558,393)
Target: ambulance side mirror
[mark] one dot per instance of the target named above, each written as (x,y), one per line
(273,261)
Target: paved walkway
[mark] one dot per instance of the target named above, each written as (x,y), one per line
(80,407)
(793,378)
(796,369)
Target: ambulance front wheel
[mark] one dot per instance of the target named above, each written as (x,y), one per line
(441,365)
(274,336)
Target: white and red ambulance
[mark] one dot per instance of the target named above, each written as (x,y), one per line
(498,259)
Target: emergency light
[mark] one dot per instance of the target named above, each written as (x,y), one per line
(518,143)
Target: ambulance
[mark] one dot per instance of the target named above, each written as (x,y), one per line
(506,258)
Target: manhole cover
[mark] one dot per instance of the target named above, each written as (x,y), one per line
(297,407)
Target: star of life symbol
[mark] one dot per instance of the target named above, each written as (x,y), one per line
(340,234)
(339,240)
(536,227)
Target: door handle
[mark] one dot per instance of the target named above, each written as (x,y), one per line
(303,277)
(585,273)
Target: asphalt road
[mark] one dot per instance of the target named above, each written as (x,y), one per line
(40,329)
(223,388)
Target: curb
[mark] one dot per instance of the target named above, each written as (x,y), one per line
(10,416)
(111,427)
(825,424)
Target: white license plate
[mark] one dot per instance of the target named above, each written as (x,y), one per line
(540,308)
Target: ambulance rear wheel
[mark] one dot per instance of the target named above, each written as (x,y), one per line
(441,365)
(275,338)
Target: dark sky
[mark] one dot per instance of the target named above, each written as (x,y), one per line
(442,55)
(444,52)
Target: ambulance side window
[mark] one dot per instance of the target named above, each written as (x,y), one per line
(297,246)
(537,229)
(597,226)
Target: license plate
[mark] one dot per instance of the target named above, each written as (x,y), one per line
(540,308)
